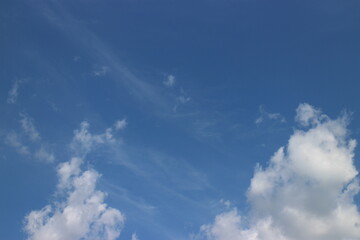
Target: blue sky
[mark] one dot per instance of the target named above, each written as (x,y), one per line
(171,107)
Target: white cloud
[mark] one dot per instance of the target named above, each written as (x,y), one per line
(82,215)
(13,92)
(12,139)
(170,81)
(83,141)
(306,115)
(29,127)
(134,237)
(81,212)
(306,192)
(120,124)
(268,116)
(227,226)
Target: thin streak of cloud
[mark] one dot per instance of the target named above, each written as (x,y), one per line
(142,90)
(125,195)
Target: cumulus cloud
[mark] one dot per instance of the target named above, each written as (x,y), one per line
(307,114)
(306,192)
(170,81)
(80,213)
(13,92)
(264,115)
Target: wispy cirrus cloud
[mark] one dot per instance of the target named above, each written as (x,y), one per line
(141,90)
(126,196)
(161,102)
(306,192)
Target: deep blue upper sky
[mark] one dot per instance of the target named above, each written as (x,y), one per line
(190,144)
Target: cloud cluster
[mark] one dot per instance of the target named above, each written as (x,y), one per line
(81,212)
(306,192)
(23,146)
(82,215)
(83,141)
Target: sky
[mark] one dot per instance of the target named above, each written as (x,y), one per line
(179,120)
